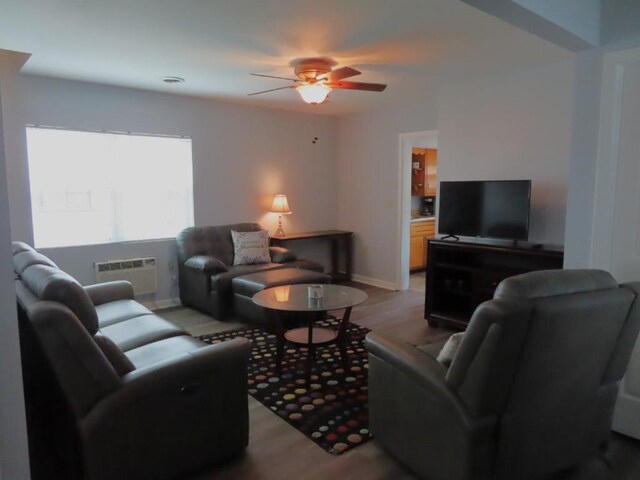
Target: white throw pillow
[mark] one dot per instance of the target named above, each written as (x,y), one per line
(448,352)
(250,247)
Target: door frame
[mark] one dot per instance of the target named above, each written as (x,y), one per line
(607,163)
(407,141)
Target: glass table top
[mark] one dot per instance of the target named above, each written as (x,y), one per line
(296,298)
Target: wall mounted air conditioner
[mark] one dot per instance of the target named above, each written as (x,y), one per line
(141,272)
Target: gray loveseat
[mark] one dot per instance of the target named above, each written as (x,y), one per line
(206,270)
(145,399)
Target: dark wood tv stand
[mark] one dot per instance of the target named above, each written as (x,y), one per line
(461,274)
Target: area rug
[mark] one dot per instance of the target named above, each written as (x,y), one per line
(332,409)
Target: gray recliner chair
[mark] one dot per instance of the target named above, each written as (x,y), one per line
(530,391)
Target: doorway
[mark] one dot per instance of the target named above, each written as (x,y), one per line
(408,141)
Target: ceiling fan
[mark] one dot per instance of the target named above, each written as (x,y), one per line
(316,79)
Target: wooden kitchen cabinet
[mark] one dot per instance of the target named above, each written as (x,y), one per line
(417,255)
(418,167)
(420,232)
(424,171)
(431,171)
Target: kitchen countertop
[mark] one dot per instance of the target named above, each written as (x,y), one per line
(422,218)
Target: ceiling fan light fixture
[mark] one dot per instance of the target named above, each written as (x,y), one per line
(314,93)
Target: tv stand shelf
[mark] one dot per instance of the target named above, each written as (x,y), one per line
(461,274)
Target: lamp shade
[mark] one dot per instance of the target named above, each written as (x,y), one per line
(280,204)
(313,93)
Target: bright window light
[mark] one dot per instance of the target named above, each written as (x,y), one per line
(89,188)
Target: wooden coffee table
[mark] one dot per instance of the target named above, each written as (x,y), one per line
(295,298)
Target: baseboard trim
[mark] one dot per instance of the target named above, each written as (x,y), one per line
(374,282)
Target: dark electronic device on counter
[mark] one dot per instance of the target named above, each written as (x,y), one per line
(429,206)
(491,209)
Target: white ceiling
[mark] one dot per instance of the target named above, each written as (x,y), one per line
(412,45)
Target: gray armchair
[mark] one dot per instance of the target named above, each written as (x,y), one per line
(530,391)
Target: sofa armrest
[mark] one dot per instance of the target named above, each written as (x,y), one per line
(182,413)
(101,293)
(281,255)
(206,264)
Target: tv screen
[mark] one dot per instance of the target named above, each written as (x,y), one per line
(492,209)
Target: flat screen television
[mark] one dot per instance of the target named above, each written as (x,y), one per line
(491,209)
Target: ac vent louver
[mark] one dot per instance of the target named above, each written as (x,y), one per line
(141,272)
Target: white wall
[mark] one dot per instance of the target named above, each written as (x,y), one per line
(515,126)
(242,156)
(14,461)
(368,176)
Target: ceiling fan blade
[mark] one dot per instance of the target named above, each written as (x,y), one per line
(273,76)
(267,91)
(371,87)
(342,72)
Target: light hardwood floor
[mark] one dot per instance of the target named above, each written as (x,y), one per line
(418,281)
(278,451)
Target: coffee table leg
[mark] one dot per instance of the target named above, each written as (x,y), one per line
(342,339)
(311,350)
(280,340)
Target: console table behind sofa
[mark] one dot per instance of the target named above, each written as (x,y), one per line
(341,249)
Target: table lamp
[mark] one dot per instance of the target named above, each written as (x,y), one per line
(281,207)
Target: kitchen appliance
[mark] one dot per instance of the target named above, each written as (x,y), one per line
(429,206)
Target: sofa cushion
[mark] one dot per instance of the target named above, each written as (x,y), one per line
(206,264)
(119,311)
(138,331)
(116,357)
(432,349)
(250,247)
(281,255)
(222,281)
(23,260)
(248,285)
(50,283)
(17,247)
(161,350)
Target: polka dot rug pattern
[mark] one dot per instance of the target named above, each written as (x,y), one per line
(332,407)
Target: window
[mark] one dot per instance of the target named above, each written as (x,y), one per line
(89,188)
